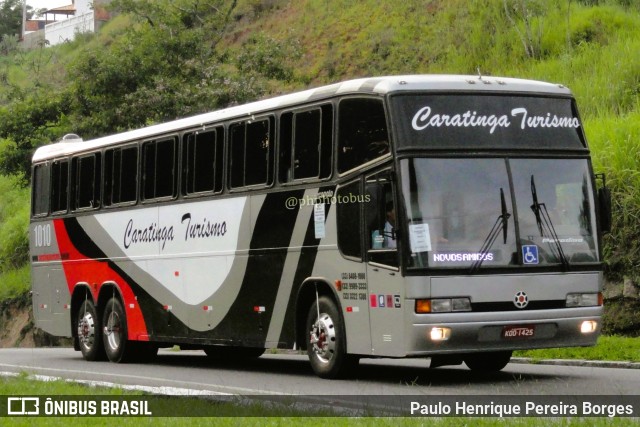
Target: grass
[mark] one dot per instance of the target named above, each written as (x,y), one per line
(234,415)
(613,348)
(15,283)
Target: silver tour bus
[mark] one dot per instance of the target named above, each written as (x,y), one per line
(449,217)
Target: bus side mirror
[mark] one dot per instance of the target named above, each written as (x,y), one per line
(604,204)
(604,201)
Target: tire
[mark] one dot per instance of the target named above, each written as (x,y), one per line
(219,352)
(492,361)
(327,341)
(89,330)
(116,345)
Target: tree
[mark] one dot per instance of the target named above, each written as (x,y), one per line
(170,64)
(11,17)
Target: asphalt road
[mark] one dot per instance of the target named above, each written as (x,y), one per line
(285,374)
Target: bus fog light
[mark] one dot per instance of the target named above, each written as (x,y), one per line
(440,334)
(588,326)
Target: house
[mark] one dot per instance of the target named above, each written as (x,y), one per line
(61,24)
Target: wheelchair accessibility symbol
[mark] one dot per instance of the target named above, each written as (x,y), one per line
(530,254)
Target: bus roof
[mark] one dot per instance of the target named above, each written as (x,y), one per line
(371,85)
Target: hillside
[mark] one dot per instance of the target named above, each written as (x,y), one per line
(158,60)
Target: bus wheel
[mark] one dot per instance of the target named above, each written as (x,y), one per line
(114,335)
(492,361)
(89,332)
(327,344)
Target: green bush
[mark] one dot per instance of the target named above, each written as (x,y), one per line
(14,223)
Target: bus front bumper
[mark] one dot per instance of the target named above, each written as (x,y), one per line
(479,332)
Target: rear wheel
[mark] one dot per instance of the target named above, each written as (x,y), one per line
(327,346)
(488,362)
(89,332)
(114,335)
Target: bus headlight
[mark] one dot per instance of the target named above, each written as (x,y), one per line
(442,305)
(584,300)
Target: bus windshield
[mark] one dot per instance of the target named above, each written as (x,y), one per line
(464,213)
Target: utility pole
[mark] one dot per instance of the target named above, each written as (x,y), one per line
(24,19)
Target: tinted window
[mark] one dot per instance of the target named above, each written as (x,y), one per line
(349,219)
(362,133)
(121,175)
(40,190)
(252,153)
(306,144)
(159,169)
(86,181)
(202,161)
(59,186)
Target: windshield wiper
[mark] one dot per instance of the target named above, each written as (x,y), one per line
(543,220)
(502,222)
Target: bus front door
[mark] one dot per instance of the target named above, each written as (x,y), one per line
(384,280)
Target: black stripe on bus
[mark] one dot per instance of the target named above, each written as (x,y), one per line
(304,270)
(247,321)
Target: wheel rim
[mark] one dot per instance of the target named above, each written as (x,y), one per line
(86,330)
(323,338)
(113,330)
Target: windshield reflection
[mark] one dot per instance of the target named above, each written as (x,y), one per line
(463,213)
(563,190)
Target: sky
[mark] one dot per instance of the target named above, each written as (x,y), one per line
(48,4)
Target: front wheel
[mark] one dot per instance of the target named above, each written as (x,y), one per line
(492,361)
(327,346)
(89,332)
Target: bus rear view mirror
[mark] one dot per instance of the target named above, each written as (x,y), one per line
(604,204)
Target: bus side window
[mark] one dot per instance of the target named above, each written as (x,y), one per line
(60,186)
(120,175)
(202,156)
(252,153)
(40,190)
(85,182)
(363,134)
(306,144)
(285,174)
(349,220)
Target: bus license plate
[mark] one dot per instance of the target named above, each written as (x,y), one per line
(511,332)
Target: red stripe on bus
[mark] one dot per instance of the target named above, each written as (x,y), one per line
(78,268)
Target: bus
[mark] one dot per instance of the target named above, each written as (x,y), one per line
(456,218)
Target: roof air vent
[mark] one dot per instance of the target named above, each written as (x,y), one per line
(71,137)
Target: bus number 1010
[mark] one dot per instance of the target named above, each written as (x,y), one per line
(42,235)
